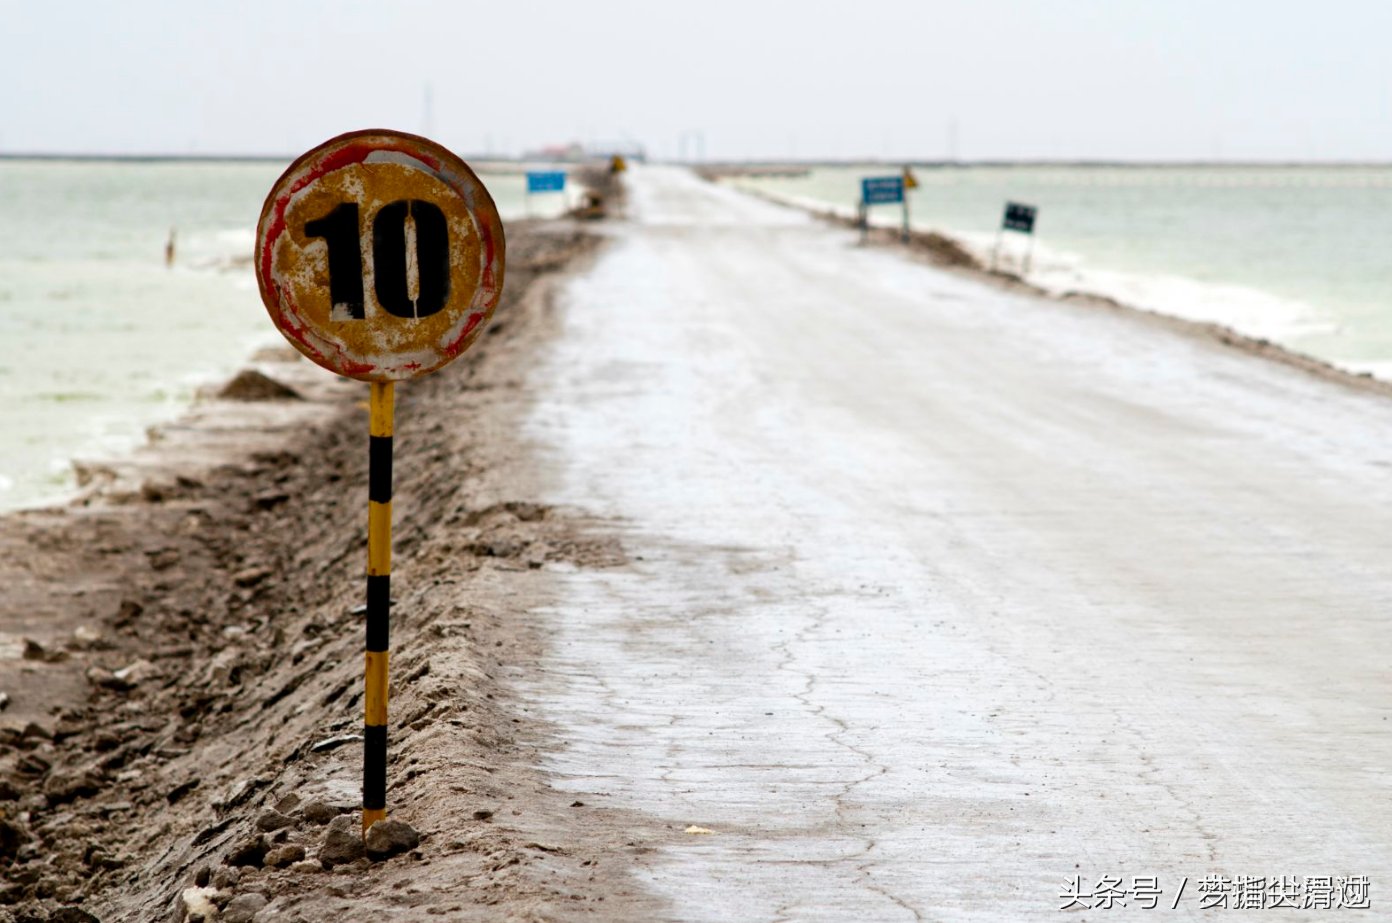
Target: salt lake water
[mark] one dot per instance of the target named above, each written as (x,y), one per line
(99,339)
(1300,255)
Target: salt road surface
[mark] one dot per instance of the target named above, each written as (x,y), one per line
(942,595)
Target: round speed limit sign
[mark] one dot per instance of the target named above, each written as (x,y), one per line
(380,255)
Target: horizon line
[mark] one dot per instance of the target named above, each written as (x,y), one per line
(733,162)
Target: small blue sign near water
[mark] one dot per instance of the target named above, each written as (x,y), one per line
(1019,217)
(546,181)
(882,190)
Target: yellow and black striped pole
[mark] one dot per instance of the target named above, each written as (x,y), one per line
(379,524)
(416,210)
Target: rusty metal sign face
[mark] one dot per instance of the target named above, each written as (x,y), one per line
(380,255)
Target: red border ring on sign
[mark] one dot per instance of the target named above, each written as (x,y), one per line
(348,149)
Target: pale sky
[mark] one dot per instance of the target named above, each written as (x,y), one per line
(1087,79)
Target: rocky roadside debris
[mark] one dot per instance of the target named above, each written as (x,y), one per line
(234,893)
(190,757)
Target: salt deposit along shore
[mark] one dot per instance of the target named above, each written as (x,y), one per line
(745,573)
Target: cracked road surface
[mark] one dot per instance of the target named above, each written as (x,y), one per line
(941,595)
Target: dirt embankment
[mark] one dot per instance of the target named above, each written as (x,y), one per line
(184,723)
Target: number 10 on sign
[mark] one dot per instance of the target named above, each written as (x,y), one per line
(380,257)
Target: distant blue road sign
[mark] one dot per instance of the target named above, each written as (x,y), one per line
(546,181)
(882,190)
